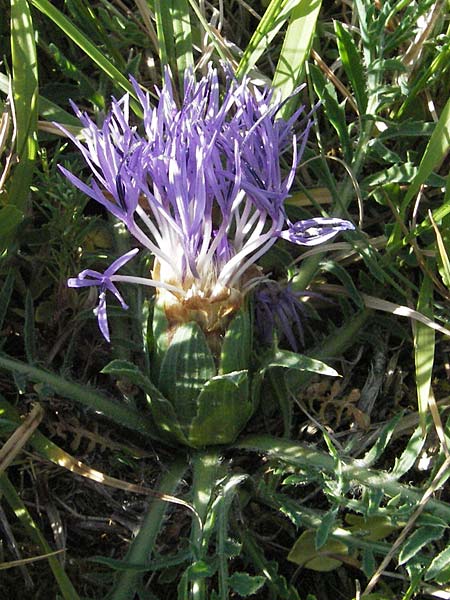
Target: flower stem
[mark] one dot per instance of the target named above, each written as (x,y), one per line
(142,547)
(205,474)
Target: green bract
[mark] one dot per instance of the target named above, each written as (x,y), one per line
(203,397)
(204,387)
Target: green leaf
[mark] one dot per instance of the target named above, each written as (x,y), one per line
(443,259)
(434,154)
(163,412)
(223,410)
(373,528)
(439,566)
(300,362)
(143,545)
(352,63)
(297,43)
(343,276)
(183,36)
(410,454)
(368,564)
(416,541)
(277,390)
(87,397)
(187,365)
(201,569)
(406,129)
(334,111)
(305,554)
(325,528)
(424,349)
(237,344)
(382,441)
(164,30)
(123,368)
(273,19)
(401,173)
(246,585)
(98,57)
(25,94)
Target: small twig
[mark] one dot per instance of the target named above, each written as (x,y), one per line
(19,438)
(25,561)
(335,80)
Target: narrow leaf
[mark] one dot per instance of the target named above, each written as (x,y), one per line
(382,441)
(352,63)
(439,565)
(295,50)
(182,35)
(273,19)
(25,94)
(424,348)
(120,413)
(421,537)
(34,533)
(84,44)
(434,154)
(410,454)
(300,362)
(334,111)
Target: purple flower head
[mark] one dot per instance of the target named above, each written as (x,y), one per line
(279,311)
(198,185)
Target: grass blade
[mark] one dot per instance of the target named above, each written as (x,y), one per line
(273,19)
(12,497)
(182,35)
(25,95)
(174,35)
(434,154)
(142,547)
(84,44)
(296,47)
(165,34)
(424,346)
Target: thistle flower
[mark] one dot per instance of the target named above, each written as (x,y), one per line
(279,311)
(199,187)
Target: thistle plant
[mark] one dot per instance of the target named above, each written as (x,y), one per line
(199,187)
